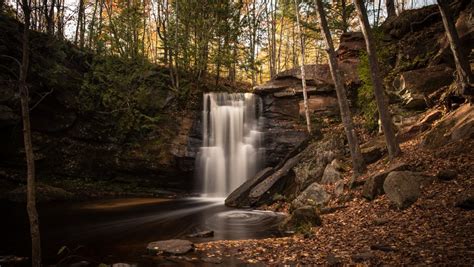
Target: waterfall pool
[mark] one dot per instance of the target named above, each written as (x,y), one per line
(118,230)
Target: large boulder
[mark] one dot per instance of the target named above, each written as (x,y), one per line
(331,175)
(374,149)
(316,157)
(455,126)
(373,187)
(173,246)
(314,196)
(416,85)
(240,197)
(403,187)
(303,217)
(264,191)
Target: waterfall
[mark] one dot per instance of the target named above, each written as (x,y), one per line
(232,149)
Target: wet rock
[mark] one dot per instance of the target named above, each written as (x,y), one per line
(202,234)
(314,196)
(303,216)
(457,125)
(330,175)
(239,197)
(263,192)
(173,246)
(402,187)
(373,187)
(447,175)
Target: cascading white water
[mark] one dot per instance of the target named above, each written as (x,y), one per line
(232,148)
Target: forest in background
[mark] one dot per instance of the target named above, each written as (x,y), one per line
(234,40)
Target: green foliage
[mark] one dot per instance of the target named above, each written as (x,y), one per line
(127,90)
(365,94)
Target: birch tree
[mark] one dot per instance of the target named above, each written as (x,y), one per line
(303,76)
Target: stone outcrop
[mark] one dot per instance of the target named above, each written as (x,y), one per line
(240,196)
(303,217)
(457,125)
(331,175)
(416,85)
(403,187)
(314,196)
(373,187)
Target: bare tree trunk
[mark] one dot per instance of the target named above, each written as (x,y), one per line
(391,12)
(465,79)
(303,76)
(358,163)
(30,161)
(382,105)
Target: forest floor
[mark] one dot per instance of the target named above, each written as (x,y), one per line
(431,231)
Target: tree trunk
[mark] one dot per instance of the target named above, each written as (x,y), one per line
(30,161)
(390,4)
(358,163)
(465,79)
(303,76)
(382,105)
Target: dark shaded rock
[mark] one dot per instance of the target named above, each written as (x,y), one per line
(373,150)
(457,125)
(240,196)
(466,201)
(383,247)
(263,192)
(373,187)
(314,196)
(202,234)
(173,246)
(447,175)
(330,175)
(402,188)
(8,117)
(303,216)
